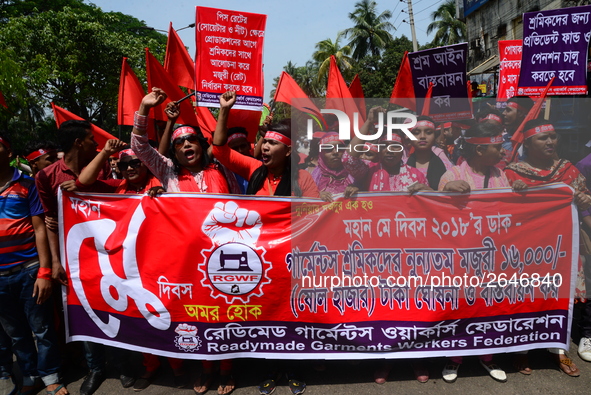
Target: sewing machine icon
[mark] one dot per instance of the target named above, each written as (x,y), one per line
(241,258)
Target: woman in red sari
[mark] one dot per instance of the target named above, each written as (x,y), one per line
(540,167)
(189,169)
(276,175)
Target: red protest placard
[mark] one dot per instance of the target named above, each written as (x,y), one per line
(229,57)
(510,67)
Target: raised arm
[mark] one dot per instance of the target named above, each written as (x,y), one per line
(172,111)
(371,118)
(90,173)
(152,99)
(227,100)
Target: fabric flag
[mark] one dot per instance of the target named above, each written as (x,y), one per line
(2,101)
(517,138)
(247,119)
(288,89)
(206,121)
(131,93)
(338,96)
(178,62)
(427,103)
(158,77)
(357,92)
(100,136)
(403,93)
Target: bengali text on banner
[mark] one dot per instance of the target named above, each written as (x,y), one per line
(229,57)
(384,275)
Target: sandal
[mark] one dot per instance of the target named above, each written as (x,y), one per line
(203,381)
(450,373)
(267,387)
(521,364)
(296,386)
(567,365)
(494,371)
(56,390)
(226,380)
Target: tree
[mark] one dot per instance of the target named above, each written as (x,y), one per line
(370,34)
(326,48)
(448,29)
(378,73)
(72,57)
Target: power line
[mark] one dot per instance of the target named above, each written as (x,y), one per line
(429,6)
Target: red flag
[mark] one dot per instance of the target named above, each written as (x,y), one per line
(403,93)
(517,138)
(62,115)
(288,89)
(131,93)
(427,103)
(357,92)
(2,101)
(338,95)
(178,62)
(532,114)
(206,121)
(158,77)
(247,119)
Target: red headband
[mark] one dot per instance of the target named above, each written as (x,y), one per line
(278,136)
(126,152)
(5,143)
(484,140)
(36,154)
(183,130)
(331,138)
(494,117)
(516,106)
(237,136)
(371,147)
(395,137)
(446,125)
(538,129)
(427,124)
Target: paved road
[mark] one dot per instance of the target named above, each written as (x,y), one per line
(342,377)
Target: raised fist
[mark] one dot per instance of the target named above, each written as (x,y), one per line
(227,223)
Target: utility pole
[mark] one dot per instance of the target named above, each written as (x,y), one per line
(413,33)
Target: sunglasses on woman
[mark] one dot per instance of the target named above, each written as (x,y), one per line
(134,163)
(178,142)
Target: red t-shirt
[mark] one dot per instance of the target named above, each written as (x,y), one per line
(49,180)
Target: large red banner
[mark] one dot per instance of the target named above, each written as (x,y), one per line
(384,275)
(229,57)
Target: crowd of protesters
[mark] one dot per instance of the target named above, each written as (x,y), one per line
(447,157)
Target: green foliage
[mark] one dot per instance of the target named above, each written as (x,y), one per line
(448,30)
(372,53)
(71,56)
(378,73)
(370,34)
(327,48)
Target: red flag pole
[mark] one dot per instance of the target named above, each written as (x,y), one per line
(532,114)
